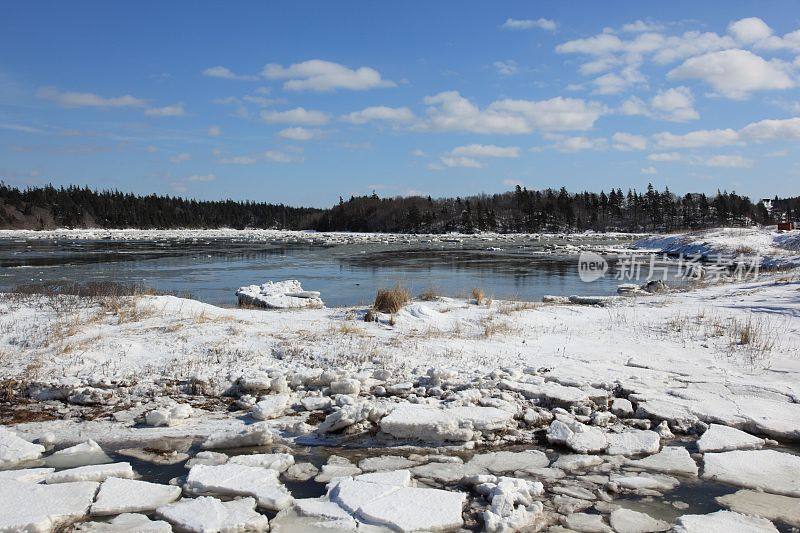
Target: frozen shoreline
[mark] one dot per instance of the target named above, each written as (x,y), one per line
(614,394)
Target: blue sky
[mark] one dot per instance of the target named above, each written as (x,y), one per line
(300,102)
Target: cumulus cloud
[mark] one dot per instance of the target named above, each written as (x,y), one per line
(614,83)
(734,73)
(298,115)
(76,99)
(577,144)
(628,141)
(772,129)
(226,74)
(676,105)
(176,110)
(380,113)
(319,75)
(649,170)
(640,26)
(729,161)
(299,133)
(277,156)
(527,24)
(449,111)
(485,150)
(697,139)
(749,30)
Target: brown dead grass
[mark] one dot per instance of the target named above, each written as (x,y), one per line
(391,300)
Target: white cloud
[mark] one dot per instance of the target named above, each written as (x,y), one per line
(729,161)
(508,67)
(691,43)
(697,139)
(381,113)
(790,41)
(634,106)
(175,110)
(749,30)
(227,74)
(319,75)
(527,24)
(641,26)
(665,156)
(418,153)
(201,177)
(735,73)
(462,162)
(613,83)
(649,170)
(676,105)
(298,115)
(627,141)
(299,133)
(449,111)
(282,157)
(180,158)
(214,131)
(772,129)
(75,99)
(578,144)
(485,150)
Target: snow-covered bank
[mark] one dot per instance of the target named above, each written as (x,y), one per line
(775,249)
(499,416)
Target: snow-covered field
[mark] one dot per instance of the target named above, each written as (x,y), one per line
(449,414)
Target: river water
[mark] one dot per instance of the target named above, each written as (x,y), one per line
(210,270)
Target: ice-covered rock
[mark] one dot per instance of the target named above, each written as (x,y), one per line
(301,472)
(511,504)
(41,508)
(274,461)
(270,407)
(346,416)
(14,450)
(126,523)
(670,460)
(768,470)
(27,475)
(169,416)
(240,480)
(346,386)
(206,514)
(770,506)
(258,434)
(316,403)
(119,495)
(629,521)
(92,396)
(85,453)
(633,442)
(91,473)
(723,522)
(207,458)
(287,294)
(719,438)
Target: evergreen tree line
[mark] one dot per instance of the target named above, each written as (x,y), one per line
(520,210)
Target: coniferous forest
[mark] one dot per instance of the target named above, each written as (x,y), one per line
(520,210)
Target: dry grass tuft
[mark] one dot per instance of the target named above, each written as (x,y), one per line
(507,308)
(492,327)
(478,295)
(391,300)
(429,295)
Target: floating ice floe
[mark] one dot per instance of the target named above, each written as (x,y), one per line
(629,521)
(287,294)
(258,434)
(27,475)
(126,523)
(719,438)
(279,462)
(239,480)
(723,522)
(91,473)
(206,514)
(34,507)
(14,450)
(118,495)
(670,460)
(85,453)
(433,424)
(767,470)
(770,506)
